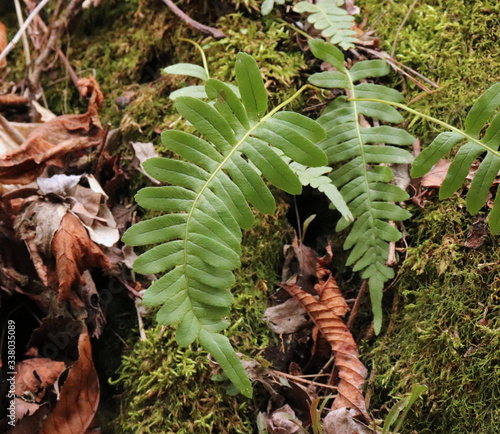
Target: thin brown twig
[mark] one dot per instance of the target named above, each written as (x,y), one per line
(216,33)
(401,26)
(355,308)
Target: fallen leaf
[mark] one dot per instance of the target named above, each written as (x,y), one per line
(351,371)
(287,317)
(435,176)
(33,378)
(75,252)
(143,152)
(79,397)
(51,141)
(341,421)
(3,43)
(283,421)
(477,234)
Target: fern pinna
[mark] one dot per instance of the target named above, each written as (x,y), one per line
(363,175)
(207,204)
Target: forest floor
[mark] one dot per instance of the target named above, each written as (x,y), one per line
(76,126)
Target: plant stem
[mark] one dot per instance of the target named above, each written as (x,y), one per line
(432,119)
(203,57)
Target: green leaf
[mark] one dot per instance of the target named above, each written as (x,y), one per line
(251,85)
(369,68)
(187,69)
(192,91)
(220,348)
(328,53)
(483,110)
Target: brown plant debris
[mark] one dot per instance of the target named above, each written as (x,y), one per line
(326,312)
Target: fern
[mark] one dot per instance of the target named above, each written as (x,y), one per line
(335,23)
(363,178)
(471,147)
(207,204)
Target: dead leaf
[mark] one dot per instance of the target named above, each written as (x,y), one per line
(143,152)
(283,421)
(351,8)
(307,261)
(75,252)
(33,378)
(79,398)
(50,142)
(351,371)
(287,317)
(477,234)
(341,421)
(3,43)
(435,176)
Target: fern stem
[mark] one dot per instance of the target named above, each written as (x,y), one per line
(432,119)
(203,57)
(295,28)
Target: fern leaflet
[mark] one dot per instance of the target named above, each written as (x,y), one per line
(471,147)
(335,23)
(207,204)
(363,178)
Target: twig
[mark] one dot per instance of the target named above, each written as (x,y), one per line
(21,31)
(301,380)
(25,38)
(216,33)
(401,26)
(355,308)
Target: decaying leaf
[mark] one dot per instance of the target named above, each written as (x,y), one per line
(435,176)
(3,43)
(341,421)
(50,142)
(33,379)
(74,252)
(325,314)
(287,317)
(79,396)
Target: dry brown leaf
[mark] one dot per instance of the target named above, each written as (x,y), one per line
(33,378)
(351,371)
(79,398)
(287,317)
(435,176)
(3,43)
(75,252)
(51,141)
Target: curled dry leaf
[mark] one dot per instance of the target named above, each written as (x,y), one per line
(79,398)
(351,371)
(49,143)
(75,252)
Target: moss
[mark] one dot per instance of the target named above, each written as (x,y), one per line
(168,389)
(447,331)
(270,43)
(451,42)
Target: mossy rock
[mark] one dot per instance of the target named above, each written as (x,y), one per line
(445,332)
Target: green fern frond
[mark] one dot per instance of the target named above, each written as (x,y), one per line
(207,203)
(471,147)
(363,178)
(335,23)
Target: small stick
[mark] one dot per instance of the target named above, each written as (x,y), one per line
(216,33)
(401,26)
(301,380)
(355,308)
(21,31)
